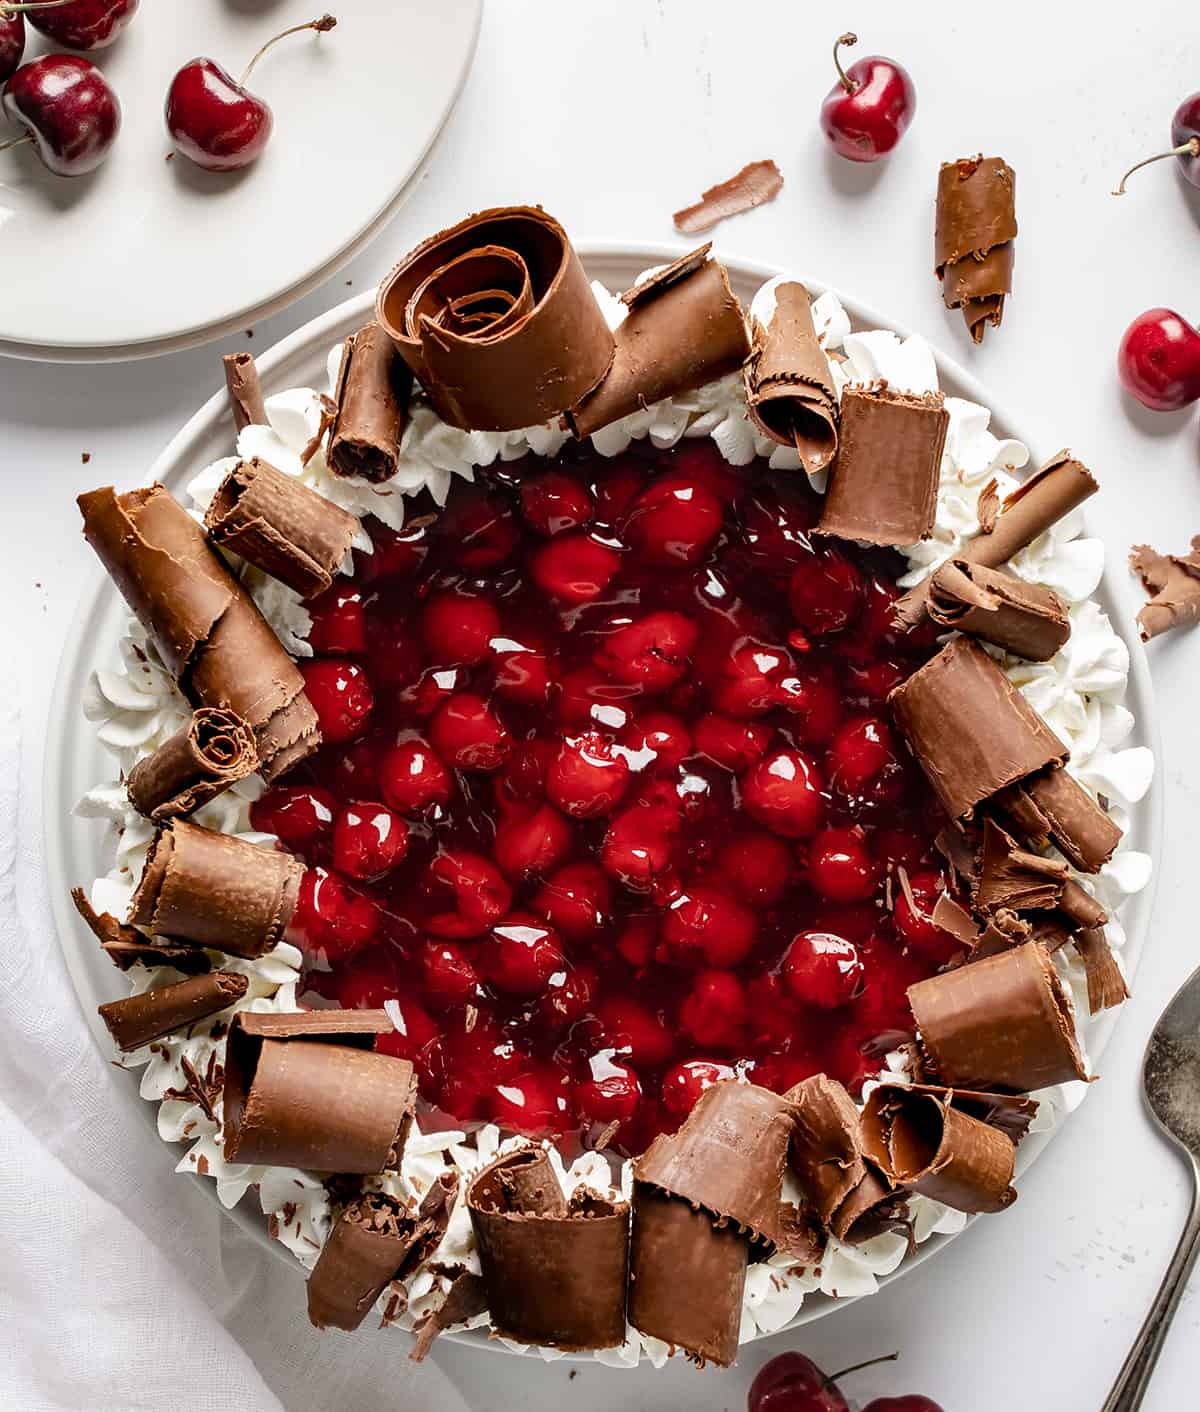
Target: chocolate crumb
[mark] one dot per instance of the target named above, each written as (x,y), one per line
(85,457)
(572,1375)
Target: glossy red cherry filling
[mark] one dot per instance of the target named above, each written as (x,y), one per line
(610,803)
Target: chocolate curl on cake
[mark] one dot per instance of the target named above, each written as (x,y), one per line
(975,227)
(1106,985)
(923,1143)
(245,390)
(883,484)
(1053,805)
(1173,583)
(684,328)
(151,1014)
(278,524)
(213,751)
(1009,1113)
(1023,618)
(497,321)
(216,890)
(208,630)
(971,730)
(755,185)
(1004,1022)
(126,946)
(307,1090)
(1062,485)
(376,1239)
(788,387)
(1011,877)
(850,1194)
(372,392)
(466,1297)
(555,1269)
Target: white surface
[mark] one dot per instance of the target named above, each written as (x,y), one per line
(145,255)
(1032,1309)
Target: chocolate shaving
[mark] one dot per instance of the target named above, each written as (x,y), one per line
(1062,485)
(216,890)
(497,321)
(954,918)
(245,390)
(1023,618)
(684,328)
(971,730)
(789,391)
(1004,931)
(151,1014)
(307,1090)
(1106,985)
(281,526)
(975,227)
(466,1297)
(555,1270)
(959,845)
(987,508)
(883,482)
(755,185)
(213,751)
(126,946)
(372,392)
(1173,583)
(1011,877)
(1054,805)
(1001,1023)
(1080,907)
(208,630)
(1011,1113)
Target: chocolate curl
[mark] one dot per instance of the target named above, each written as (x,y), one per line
(213,751)
(789,391)
(1173,583)
(466,1297)
(883,484)
(755,185)
(684,328)
(1014,878)
(1053,804)
(307,1090)
(216,890)
(555,1270)
(1011,1114)
(245,390)
(1062,485)
(278,524)
(376,1239)
(497,321)
(1004,931)
(952,917)
(971,730)
(372,392)
(1023,618)
(975,226)
(1106,986)
(850,1194)
(150,1015)
(1001,1023)
(208,630)
(126,946)
(1080,907)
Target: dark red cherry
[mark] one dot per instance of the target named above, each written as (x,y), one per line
(910,1402)
(368,839)
(713,1012)
(612,1092)
(783,793)
(300,816)
(69,112)
(12,42)
(341,696)
(822,970)
(83,24)
(707,926)
(213,119)
(413,777)
(870,107)
(574,568)
(466,893)
(468,735)
(521,955)
(1185,144)
(840,866)
(555,502)
(683,1085)
(790,1382)
(825,593)
(339,622)
(1158,361)
(331,921)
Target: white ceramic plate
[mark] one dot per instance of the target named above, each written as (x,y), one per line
(76,849)
(146,256)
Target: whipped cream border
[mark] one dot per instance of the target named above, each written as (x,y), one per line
(136,706)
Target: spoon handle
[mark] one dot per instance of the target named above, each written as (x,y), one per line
(1134,1377)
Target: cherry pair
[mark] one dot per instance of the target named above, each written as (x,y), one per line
(793,1383)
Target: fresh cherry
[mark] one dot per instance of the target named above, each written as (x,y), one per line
(911,1402)
(341,696)
(300,816)
(1185,144)
(12,42)
(69,112)
(1158,361)
(822,970)
(870,107)
(790,1382)
(213,119)
(81,24)
(368,839)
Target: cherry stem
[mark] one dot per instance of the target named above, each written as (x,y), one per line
(847,40)
(1190,148)
(869,1363)
(15,142)
(321,26)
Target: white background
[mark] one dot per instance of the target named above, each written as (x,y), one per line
(613,115)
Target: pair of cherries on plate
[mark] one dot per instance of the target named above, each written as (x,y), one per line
(72,115)
(793,1383)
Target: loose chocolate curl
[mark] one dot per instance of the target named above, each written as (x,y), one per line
(1173,583)
(883,483)
(208,630)
(975,227)
(1106,985)
(1023,618)
(151,1014)
(465,1298)
(1014,878)
(497,321)
(278,524)
(1004,1022)
(216,890)
(372,392)
(213,751)
(307,1090)
(1053,805)
(126,946)
(756,184)
(245,390)
(684,328)
(789,391)
(971,730)
(555,1270)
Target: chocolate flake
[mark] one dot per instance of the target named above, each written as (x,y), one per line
(213,751)
(1011,877)
(245,390)
(370,407)
(125,946)
(848,1191)
(152,1014)
(466,1297)
(975,227)
(1053,804)
(755,185)
(1173,583)
(1106,984)
(789,390)
(1023,618)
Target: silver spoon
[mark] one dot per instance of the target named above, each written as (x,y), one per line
(1171,1079)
